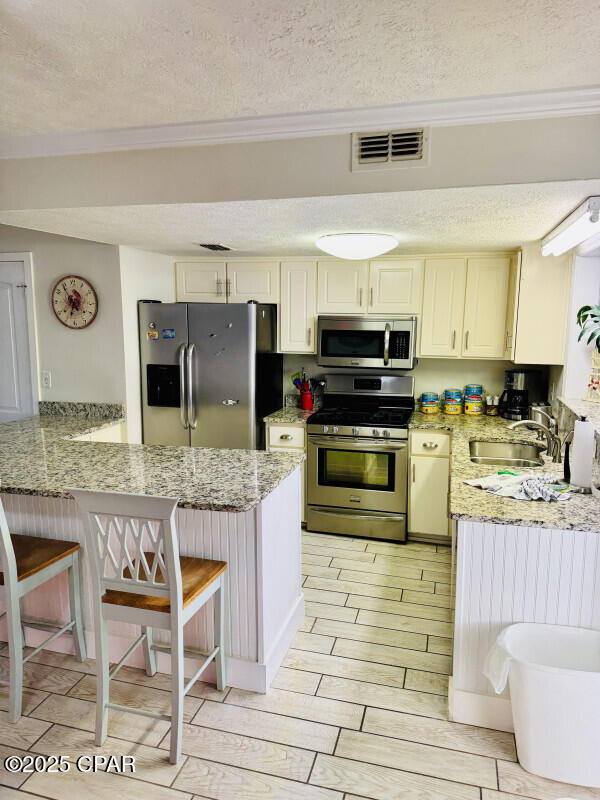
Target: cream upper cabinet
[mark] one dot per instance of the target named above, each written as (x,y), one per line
(544,292)
(342,287)
(486,297)
(395,287)
(298,308)
(253,280)
(201,281)
(443,302)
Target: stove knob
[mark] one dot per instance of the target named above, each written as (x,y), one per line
(386,434)
(375,432)
(335,429)
(325,428)
(355,431)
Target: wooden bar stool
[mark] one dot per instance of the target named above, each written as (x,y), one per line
(27,562)
(139,577)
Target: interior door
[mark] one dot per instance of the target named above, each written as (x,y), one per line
(16,395)
(224,374)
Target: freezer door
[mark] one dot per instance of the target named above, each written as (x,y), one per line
(222,359)
(163,343)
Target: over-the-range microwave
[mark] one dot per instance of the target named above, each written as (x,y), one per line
(372,343)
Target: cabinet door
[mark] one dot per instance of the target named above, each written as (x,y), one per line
(486,297)
(342,287)
(298,306)
(253,280)
(200,281)
(395,287)
(428,495)
(443,301)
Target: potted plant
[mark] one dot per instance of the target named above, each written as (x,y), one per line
(588,319)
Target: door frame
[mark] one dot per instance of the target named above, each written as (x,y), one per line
(27,259)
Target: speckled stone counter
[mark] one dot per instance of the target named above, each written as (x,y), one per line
(37,457)
(581,512)
(289,415)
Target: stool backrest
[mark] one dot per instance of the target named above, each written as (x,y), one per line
(8,563)
(132,542)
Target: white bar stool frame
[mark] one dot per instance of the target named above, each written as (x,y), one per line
(137,525)
(13,592)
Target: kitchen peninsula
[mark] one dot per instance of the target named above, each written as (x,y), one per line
(241,506)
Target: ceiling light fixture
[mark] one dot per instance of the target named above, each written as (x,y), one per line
(580,225)
(355,246)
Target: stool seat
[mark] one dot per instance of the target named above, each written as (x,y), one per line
(196,575)
(35,553)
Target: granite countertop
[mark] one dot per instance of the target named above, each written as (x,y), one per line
(581,512)
(290,415)
(38,457)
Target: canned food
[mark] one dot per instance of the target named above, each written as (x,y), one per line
(453,395)
(474,389)
(430,408)
(430,397)
(453,408)
(473,405)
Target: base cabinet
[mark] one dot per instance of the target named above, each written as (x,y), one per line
(289,438)
(428,483)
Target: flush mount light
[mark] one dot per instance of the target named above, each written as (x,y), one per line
(355,246)
(582,224)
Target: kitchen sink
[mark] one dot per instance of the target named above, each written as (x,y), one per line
(506,454)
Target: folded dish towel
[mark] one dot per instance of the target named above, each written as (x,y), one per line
(528,486)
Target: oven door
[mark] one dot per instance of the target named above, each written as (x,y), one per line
(357,473)
(371,343)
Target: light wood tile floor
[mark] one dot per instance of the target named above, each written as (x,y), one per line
(358,711)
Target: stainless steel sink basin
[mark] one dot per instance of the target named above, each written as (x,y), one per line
(507,454)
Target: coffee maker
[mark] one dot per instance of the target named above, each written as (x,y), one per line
(522,387)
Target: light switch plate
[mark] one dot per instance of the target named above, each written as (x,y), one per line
(46,379)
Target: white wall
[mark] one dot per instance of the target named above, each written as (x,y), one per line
(144,276)
(86,365)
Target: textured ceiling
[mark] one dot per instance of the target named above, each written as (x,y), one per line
(93,64)
(434,220)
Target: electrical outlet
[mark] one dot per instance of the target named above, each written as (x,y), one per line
(46,379)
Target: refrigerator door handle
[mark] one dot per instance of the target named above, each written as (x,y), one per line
(182,389)
(191,405)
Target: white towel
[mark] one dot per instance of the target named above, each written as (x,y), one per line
(497,664)
(529,486)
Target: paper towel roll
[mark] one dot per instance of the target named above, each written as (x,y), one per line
(584,448)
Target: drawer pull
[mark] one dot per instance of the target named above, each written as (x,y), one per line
(430,445)
(286,436)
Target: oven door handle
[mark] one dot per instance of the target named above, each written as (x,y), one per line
(358,444)
(386,344)
(360,515)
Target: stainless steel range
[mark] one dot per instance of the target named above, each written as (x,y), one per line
(357,464)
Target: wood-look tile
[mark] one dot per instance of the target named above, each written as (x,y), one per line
(23,733)
(396,656)
(370,589)
(31,698)
(62,661)
(392,562)
(246,752)
(328,611)
(492,794)
(218,782)
(324,596)
(386,697)
(129,694)
(317,571)
(76,713)
(99,785)
(439,644)
(368,564)
(292,704)
(11,779)
(443,588)
(395,551)
(296,680)
(338,542)
(395,607)
(440,600)
(426,682)
(313,558)
(512,778)
(265,725)
(439,574)
(335,552)
(383,783)
(314,642)
(398,622)
(307,624)
(16,794)
(396,581)
(137,676)
(345,667)
(151,764)
(437,762)
(43,678)
(450,735)
(370,633)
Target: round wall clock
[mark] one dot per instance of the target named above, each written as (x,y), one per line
(74,301)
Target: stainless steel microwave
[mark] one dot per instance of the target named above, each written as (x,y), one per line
(372,342)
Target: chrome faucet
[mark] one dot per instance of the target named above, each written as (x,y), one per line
(553,443)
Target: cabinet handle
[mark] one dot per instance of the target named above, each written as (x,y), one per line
(371,297)
(413,472)
(430,445)
(360,296)
(508,340)
(467,340)
(286,436)
(453,340)
(309,336)
(228,285)
(219,287)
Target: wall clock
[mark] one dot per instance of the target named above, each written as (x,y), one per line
(74,301)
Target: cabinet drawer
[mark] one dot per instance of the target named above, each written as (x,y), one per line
(286,436)
(428,443)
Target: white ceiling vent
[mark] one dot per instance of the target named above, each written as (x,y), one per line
(390,149)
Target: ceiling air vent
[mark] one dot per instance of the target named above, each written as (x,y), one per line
(390,149)
(214,247)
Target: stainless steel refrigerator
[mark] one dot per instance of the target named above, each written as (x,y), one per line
(209,373)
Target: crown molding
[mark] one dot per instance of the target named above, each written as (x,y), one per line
(461,111)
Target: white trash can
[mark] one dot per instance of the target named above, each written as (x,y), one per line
(554,677)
